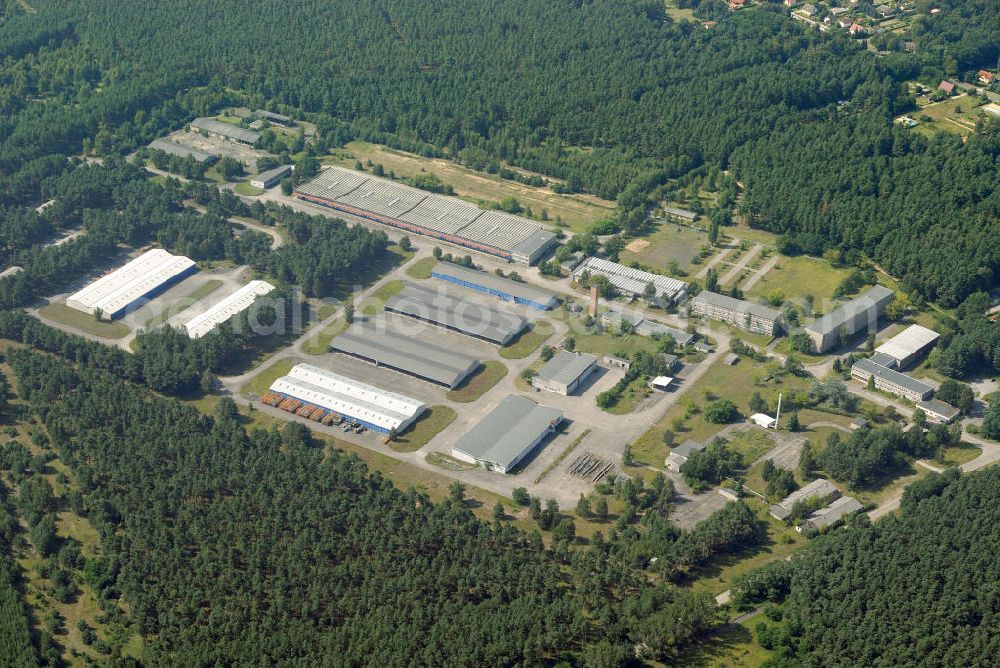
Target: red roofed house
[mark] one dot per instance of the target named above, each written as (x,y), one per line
(857,29)
(737,4)
(985,77)
(947,86)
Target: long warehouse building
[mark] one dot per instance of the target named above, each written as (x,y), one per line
(508,434)
(142,278)
(182,150)
(233,305)
(632,282)
(503,288)
(461,316)
(909,344)
(375,408)
(408,355)
(420,212)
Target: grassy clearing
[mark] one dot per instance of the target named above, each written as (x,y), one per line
(733,646)
(259,384)
(422,268)
(578,212)
(374,302)
(633,395)
(614,344)
(85,322)
(956,115)
(423,430)
(528,341)
(670,242)
(185,302)
(244,188)
(319,344)
(751,443)
(960,454)
(489,374)
(796,277)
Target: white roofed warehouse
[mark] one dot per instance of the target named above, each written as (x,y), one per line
(144,277)
(632,282)
(420,212)
(510,432)
(233,305)
(909,344)
(375,408)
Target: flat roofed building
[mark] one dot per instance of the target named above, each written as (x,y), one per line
(507,434)
(226,131)
(909,344)
(821,488)
(272,117)
(271,177)
(681,453)
(465,317)
(764,420)
(831,514)
(743,314)
(631,281)
(891,381)
(612,318)
(446,218)
(377,409)
(504,288)
(565,372)
(849,318)
(681,215)
(141,278)
(405,354)
(181,150)
(234,304)
(938,411)
(661,383)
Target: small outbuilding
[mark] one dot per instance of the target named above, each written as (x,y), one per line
(681,453)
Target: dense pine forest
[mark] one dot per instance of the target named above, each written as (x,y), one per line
(604,94)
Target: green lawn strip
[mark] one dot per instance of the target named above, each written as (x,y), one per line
(373,304)
(259,384)
(319,343)
(447,462)
(244,188)
(960,454)
(796,277)
(528,341)
(489,374)
(421,269)
(185,302)
(633,395)
(423,430)
(84,322)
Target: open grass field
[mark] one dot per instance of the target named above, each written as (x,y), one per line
(244,188)
(751,443)
(423,430)
(85,322)
(796,277)
(259,384)
(578,212)
(686,418)
(956,115)
(528,341)
(679,14)
(633,395)
(670,242)
(421,269)
(602,343)
(734,646)
(373,304)
(960,454)
(319,343)
(488,375)
(185,302)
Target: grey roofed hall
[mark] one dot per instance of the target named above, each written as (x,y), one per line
(842,314)
(895,377)
(565,367)
(406,354)
(687,447)
(508,432)
(819,488)
(181,150)
(938,407)
(233,132)
(834,512)
(275,172)
(463,316)
(505,285)
(738,305)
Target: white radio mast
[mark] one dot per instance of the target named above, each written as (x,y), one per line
(777,415)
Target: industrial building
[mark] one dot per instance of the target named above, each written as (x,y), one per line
(831,514)
(182,151)
(938,411)
(891,381)
(225,131)
(661,383)
(743,314)
(821,488)
(681,453)
(375,408)
(420,212)
(631,282)
(849,318)
(507,434)
(613,319)
(680,215)
(144,277)
(234,304)
(464,317)
(504,288)
(271,117)
(271,177)
(565,372)
(411,356)
(909,344)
